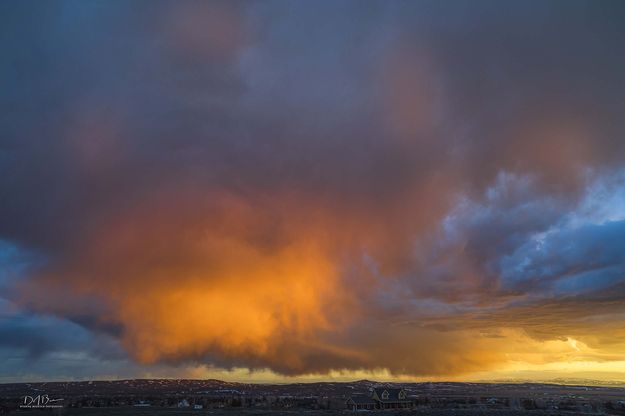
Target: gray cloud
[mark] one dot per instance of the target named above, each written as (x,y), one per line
(425,148)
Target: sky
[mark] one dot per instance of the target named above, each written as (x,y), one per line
(312,190)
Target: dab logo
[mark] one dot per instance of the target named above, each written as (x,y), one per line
(41,401)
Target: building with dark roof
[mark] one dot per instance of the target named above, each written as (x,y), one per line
(381,398)
(391,398)
(361,402)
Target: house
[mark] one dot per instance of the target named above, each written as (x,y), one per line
(381,398)
(391,398)
(361,402)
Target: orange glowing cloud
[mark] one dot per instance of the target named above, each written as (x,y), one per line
(190,277)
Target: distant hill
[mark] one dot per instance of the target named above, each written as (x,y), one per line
(183,387)
(562,382)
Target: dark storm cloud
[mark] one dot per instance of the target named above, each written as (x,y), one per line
(368,164)
(575,260)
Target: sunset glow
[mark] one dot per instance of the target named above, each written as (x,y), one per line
(267,191)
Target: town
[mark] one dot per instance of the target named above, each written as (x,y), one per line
(218,397)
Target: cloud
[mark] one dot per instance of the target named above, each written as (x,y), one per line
(314,187)
(573,259)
